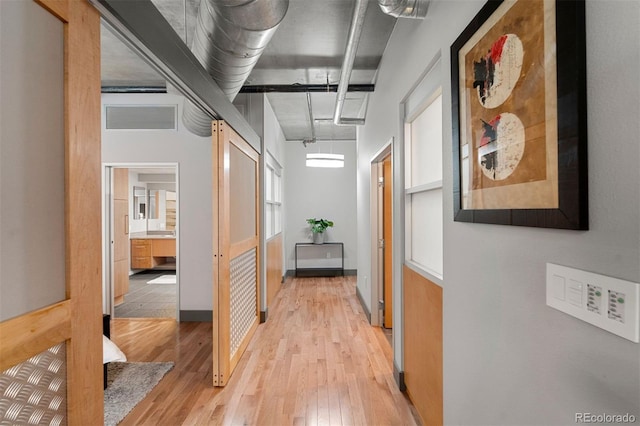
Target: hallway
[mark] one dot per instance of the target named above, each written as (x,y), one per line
(315,361)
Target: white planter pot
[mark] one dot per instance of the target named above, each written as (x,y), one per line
(318,237)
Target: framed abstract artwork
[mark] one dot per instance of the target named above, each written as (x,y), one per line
(518,76)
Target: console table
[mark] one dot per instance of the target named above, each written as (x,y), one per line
(319,260)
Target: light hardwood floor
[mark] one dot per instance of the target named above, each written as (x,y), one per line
(315,361)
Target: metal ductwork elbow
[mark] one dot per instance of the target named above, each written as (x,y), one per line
(416,9)
(229,38)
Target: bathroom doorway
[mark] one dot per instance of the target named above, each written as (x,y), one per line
(141,231)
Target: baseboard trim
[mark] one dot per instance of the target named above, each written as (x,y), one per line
(346,273)
(264,315)
(196,316)
(399,377)
(364,306)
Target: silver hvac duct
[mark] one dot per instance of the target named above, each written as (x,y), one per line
(313,127)
(229,38)
(397,8)
(355,31)
(405,8)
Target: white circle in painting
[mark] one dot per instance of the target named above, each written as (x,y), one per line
(501,146)
(498,72)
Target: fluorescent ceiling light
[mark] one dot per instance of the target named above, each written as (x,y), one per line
(325,160)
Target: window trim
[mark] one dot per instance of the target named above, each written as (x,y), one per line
(411,190)
(274,204)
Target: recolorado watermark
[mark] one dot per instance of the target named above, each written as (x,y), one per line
(604,418)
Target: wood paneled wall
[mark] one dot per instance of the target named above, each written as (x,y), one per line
(274,267)
(423,345)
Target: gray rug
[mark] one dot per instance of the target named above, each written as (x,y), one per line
(127,384)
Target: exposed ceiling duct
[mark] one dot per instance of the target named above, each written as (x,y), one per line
(398,8)
(355,31)
(405,8)
(313,127)
(229,38)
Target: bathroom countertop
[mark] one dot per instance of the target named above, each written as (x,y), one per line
(146,236)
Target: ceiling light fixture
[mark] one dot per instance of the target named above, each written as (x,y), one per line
(325,160)
(320,159)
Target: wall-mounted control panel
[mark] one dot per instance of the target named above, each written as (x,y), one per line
(609,303)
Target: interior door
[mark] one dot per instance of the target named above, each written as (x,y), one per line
(50,68)
(236,291)
(388,242)
(120,228)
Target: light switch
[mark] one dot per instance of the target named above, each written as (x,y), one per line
(606,302)
(616,306)
(574,295)
(594,298)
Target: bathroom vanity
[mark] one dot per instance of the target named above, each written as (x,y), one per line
(150,251)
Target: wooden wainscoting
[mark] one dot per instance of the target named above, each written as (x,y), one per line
(423,345)
(274,267)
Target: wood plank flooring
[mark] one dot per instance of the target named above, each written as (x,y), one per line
(316,361)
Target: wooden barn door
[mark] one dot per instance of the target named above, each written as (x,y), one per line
(50,233)
(236,210)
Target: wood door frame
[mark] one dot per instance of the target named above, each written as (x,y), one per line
(107,226)
(120,231)
(375,203)
(77,319)
(387,232)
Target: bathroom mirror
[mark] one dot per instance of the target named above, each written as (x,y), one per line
(139,203)
(162,210)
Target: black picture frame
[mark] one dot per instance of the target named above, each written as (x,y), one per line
(572,173)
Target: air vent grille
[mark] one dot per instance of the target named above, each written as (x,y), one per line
(141,117)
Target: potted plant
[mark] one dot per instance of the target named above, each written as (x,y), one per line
(318,226)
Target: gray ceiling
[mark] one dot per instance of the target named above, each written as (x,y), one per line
(307,48)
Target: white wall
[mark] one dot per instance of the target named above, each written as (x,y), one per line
(274,140)
(193,155)
(508,358)
(321,193)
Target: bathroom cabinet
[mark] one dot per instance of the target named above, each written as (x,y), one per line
(141,254)
(148,253)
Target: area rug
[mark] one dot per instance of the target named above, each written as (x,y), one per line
(127,384)
(163,279)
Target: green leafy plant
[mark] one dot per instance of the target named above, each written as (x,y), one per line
(318,226)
